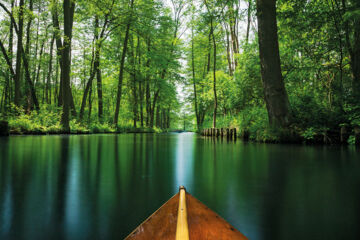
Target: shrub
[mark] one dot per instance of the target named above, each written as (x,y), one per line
(76,127)
(101,128)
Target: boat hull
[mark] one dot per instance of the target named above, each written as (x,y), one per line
(203,223)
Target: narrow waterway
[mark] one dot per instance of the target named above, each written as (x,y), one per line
(103,186)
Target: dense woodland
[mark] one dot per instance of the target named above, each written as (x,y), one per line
(276,70)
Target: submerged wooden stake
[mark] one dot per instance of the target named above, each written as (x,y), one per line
(182,229)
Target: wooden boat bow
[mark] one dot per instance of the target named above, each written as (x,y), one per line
(184,217)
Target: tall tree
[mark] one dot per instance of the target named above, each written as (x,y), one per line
(276,98)
(353,43)
(212,34)
(19,52)
(122,64)
(69,7)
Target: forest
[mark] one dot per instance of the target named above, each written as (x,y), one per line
(278,71)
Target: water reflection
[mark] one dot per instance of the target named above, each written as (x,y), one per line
(103,186)
(184,160)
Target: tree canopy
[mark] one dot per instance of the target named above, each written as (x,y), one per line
(72,65)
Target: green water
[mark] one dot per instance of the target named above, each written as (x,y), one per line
(103,186)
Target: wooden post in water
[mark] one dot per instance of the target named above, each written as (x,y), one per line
(227,133)
(235,135)
(343,135)
(217,132)
(231,133)
(357,136)
(222,132)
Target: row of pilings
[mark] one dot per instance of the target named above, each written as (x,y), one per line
(328,137)
(229,133)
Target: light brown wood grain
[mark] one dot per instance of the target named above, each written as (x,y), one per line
(182,230)
(203,223)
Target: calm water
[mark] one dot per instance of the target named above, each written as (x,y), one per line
(103,186)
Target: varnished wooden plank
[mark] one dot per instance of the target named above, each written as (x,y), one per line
(203,223)
(182,231)
(160,225)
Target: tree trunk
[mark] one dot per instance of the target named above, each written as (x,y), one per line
(27,53)
(152,109)
(194,80)
(69,7)
(90,103)
(158,117)
(121,72)
(37,79)
(8,60)
(97,69)
(121,75)
(141,91)
(17,99)
(148,103)
(228,53)
(99,92)
(355,56)
(234,38)
(59,53)
(147,90)
(48,79)
(276,98)
(59,47)
(248,22)
(141,98)
(56,91)
(168,119)
(133,76)
(88,84)
(11,75)
(214,75)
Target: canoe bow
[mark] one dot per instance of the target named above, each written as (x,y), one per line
(184,217)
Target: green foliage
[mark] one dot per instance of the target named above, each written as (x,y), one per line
(353,114)
(77,127)
(255,121)
(351,140)
(315,41)
(309,133)
(47,120)
(96,127)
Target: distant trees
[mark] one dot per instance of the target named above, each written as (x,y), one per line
(122,62)
(129,47)
(317,75)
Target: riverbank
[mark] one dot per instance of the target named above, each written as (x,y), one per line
(25,125)
(8,128)
(312,136)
